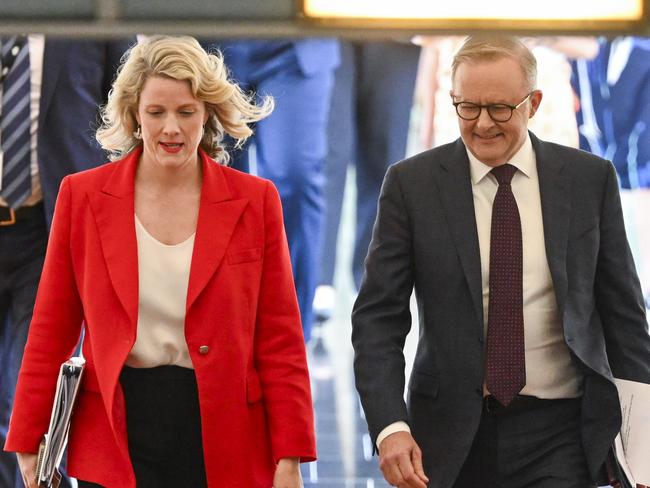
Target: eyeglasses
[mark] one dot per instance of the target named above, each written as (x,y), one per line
(498,112)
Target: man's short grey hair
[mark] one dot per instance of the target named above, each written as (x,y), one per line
(490,48)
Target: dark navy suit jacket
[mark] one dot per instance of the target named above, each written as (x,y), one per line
(77,75)
(425,238)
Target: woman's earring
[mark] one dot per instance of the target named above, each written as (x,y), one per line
(137,133)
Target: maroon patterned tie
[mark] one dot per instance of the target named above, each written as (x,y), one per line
(506,366)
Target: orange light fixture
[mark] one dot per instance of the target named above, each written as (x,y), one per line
(554,13)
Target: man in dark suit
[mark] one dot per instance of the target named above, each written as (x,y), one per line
(61,82)
(528,300)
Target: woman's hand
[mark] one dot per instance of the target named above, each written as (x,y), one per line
(27,463)
(287,474)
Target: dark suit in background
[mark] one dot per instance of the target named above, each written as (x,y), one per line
(425,237)
(291,143)
(76,78)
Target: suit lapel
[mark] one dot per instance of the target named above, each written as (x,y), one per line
(113,209)
(554,188)
(455,188)
(218,216)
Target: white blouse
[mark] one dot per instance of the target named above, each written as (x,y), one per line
(163,275)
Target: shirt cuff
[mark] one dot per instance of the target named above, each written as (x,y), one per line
(400,426)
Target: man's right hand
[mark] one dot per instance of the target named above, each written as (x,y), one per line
(400,460)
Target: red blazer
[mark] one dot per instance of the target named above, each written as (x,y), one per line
(253,382)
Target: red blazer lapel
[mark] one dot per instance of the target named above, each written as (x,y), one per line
(218,216)
(113,208)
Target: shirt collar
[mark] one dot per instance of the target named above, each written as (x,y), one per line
(524,160)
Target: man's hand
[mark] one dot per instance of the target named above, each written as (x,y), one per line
(27,463)
(400,460)
(287,474)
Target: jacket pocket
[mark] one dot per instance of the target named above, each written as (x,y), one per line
(244,255)
(424,384)
(253,387)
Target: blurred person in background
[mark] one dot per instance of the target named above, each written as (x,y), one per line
(614,119)
(51,92)
(179,270)
(368,128)
(290,145)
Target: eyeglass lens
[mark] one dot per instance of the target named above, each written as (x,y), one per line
(470,111)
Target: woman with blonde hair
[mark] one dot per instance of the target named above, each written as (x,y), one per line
(178,268)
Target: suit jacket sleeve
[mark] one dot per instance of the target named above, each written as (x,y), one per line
(53,335)
(619,299)
(279,346)
(381,317)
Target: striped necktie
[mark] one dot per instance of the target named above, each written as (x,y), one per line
(15,120)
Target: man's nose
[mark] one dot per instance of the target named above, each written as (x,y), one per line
(484,120)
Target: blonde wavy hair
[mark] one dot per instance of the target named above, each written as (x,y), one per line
(230,110)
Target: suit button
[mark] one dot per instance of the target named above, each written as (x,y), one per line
(479,391)
(204,349)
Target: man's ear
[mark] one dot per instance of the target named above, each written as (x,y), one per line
(535,101)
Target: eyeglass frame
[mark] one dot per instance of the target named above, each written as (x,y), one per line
(487,107)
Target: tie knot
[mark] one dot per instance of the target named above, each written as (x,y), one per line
(504,173)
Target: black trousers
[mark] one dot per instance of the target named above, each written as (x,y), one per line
(164,427)
(531,444)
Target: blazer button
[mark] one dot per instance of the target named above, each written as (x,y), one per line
(204,349)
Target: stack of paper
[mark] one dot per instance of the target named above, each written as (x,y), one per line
(54,443)
(633,443)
